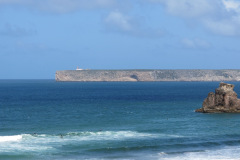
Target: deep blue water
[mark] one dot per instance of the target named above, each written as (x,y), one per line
(44,119)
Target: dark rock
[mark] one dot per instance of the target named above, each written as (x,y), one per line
(223,100)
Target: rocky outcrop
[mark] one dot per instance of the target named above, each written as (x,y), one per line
(147,75)
(223,100)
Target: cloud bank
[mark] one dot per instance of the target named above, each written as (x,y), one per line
(218,16)
(188,8)
(221,17)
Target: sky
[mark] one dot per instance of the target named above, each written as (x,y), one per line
(39,37)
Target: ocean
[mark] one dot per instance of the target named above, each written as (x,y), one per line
(48,120)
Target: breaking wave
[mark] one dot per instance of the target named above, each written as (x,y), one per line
(86,136)
(10,138)
(36,142)
(226,153)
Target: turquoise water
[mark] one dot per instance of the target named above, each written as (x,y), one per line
(44,119)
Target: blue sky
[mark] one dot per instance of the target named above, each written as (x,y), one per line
(38,37)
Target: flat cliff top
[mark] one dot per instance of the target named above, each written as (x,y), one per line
(149,75)
(155,70)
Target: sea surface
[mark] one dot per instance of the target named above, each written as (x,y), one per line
(48,120)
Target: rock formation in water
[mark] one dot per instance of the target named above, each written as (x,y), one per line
(223,100)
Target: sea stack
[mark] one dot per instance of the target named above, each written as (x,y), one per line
(224,100)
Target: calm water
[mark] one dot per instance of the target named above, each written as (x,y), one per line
(44,119)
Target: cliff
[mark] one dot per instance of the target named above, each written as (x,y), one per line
(148,75)
(223,100)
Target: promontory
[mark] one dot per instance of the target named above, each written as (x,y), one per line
(223,100)
(148,75)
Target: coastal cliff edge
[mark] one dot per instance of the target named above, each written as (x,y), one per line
(147,75)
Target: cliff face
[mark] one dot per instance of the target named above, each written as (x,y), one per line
(223,100)
(148,75)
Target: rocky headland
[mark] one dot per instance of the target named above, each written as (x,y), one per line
(143,75)
(223,100)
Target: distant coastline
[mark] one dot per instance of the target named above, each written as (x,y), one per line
(145,75)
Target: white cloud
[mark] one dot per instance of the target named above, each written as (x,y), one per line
(60,6)
(218,16)
(232,5)
(119,21)
(115,21)
(195,43)
(188,8)
(229,23)
(226,27)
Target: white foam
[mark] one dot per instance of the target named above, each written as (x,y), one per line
(109,135)
(162,153)
(10,138)
(46,142)
(95,136)
(21,143)
(83,136)
(226,153)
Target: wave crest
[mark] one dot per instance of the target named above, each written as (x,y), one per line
(10,138)
(110,135)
